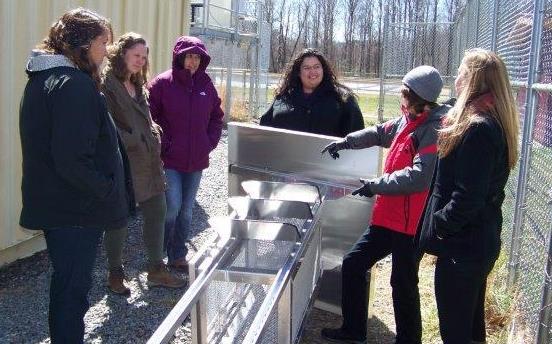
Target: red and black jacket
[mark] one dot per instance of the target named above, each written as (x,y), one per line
(403,188)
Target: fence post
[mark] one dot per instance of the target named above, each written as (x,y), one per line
(228,93)
(252,80)
(258,48)
(495,24)
(525,156)
(545,317)
(476,26)
(382,65)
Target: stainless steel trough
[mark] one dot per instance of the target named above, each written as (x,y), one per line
(291,218)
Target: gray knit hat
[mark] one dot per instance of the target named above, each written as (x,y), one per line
(425,81)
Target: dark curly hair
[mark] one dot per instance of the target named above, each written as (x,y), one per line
(292,82)
(71,36)
(116,59)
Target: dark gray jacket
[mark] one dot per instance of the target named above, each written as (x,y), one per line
(73,167)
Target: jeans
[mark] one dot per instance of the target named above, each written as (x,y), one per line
(375,244)
(72,252)
(153,231)
(460,294)
(181,196)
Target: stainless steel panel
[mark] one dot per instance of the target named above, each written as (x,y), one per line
(276,155)
(282,191)
(268,209)
(279,150)
(245,276)
(259,230)
(304,283)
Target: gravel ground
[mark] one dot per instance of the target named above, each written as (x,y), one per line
(24,285)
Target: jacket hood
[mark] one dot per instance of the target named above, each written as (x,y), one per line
(437,113)
(40,60)
(190,45)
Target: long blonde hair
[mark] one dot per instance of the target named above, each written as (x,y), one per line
(484,72)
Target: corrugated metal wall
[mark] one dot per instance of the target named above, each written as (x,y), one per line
(23,23)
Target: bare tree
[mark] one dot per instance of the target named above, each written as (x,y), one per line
(351,16)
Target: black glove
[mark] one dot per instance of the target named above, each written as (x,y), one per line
(334,147)
(364,190)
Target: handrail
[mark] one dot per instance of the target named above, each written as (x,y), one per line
(275,292)
(182,309)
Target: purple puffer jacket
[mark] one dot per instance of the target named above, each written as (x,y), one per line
(187,108)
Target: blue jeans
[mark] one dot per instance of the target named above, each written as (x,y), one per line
(181,196)
(72,252)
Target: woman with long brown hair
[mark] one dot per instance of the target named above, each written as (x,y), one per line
(477,148)
(310,99)
(74,172)
(124,85)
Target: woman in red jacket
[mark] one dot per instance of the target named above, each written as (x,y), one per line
(401,193)
(185,103)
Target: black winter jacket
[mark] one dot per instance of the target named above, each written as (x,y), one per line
(323,112)
(73,164)
(463,217)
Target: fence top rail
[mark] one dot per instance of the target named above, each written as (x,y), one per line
(542,87)
(422,23)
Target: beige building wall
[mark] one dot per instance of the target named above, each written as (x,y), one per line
(23,23)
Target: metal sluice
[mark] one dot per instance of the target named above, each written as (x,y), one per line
(292,217)
(266,254)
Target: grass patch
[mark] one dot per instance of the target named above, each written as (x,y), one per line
(430,319)
(500,302)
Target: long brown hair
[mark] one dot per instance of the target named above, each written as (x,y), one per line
(116,60)
(71,36)
(292,82)
(484,72)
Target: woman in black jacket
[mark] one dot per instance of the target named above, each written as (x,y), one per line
(75,182)
(310,99)
(477,148)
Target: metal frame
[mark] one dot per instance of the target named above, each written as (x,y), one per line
(207,27)
(525,156)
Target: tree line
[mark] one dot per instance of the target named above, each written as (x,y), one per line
(298,24)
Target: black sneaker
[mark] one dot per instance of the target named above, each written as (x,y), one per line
(338,335)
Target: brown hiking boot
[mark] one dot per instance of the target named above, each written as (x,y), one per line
(180,265)
(159,276)
(115,281)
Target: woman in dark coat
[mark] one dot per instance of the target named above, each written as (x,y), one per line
(462,222)
(311,99)
(74,184)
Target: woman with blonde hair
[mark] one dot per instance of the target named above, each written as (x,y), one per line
(123,84)
(462,222)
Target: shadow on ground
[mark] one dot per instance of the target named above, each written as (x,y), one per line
(378,332)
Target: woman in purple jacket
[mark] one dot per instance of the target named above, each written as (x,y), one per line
(185,103)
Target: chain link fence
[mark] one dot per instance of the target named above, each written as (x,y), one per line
(521,33)
(237,37)
(407,45)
